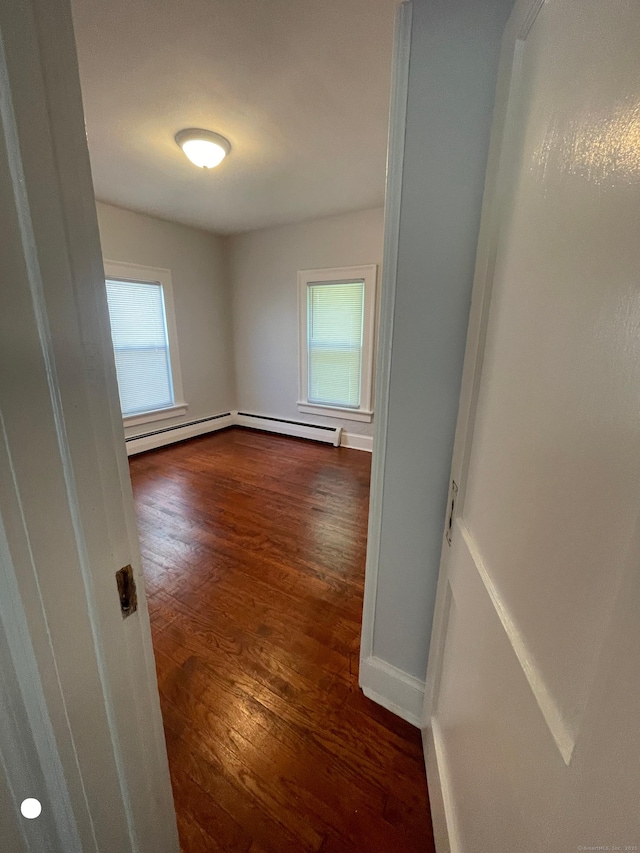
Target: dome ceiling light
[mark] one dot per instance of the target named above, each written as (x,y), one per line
(204,148)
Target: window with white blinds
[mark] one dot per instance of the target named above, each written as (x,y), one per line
(337,312)
(145,342)
(141,345)
(335,328)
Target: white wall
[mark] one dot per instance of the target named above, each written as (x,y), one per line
(264,267)
(198,264)
(452,78)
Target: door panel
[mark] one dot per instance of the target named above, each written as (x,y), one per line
(84,732)
(557,413)
(543,566)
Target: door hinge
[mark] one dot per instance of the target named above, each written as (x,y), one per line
(127,591)
(452,506)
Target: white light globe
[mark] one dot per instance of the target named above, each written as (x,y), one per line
(31,808)
(204,148)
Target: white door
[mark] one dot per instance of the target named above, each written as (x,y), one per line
(80,725)
(533,699)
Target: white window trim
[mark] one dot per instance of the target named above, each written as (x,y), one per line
(368,274)
(155,275)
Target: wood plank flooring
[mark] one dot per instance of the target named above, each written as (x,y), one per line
(253,550)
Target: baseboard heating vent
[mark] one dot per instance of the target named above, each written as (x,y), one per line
(179,426)
(179,432)
(327,434)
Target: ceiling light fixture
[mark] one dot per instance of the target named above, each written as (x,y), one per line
(203,147)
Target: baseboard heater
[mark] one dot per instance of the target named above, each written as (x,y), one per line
(179,432)
(326,434)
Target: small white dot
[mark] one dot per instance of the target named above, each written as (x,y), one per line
(30,808)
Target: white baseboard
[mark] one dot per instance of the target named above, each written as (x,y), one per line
(357,442)
(159,438)
(443,817)
(395,690)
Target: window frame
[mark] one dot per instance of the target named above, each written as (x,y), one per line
(124,271)
(368,274)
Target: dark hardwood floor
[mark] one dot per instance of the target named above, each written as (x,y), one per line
(253,549)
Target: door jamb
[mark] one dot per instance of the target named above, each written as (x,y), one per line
(393,199)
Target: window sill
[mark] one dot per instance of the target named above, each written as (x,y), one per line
(141,418)
(335,412)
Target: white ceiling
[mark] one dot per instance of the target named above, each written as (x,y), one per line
(299,87)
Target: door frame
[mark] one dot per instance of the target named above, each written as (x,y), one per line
(374,673)
(518,26)
(106,780)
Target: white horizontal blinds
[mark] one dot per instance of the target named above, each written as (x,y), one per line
(140,344)
(334,342)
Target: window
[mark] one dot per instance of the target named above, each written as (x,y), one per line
(337,313)
(144,342)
